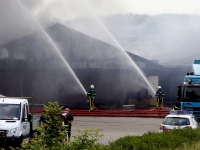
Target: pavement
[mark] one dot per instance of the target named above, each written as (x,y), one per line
(115,127)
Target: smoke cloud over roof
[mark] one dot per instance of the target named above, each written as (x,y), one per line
(172,40)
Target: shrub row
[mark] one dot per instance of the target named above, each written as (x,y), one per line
(177,139)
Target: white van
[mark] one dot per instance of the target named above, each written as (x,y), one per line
(15,119)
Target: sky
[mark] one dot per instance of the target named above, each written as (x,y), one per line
(13,18)
(17,22)
(70,9)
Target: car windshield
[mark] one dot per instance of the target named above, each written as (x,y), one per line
(9,111)
(176,121)
(192,92)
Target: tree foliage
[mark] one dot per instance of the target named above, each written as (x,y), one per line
(51,133)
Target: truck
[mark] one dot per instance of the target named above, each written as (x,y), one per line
(189,92)
(16,121)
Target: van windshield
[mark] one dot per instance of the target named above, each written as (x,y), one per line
(9,111)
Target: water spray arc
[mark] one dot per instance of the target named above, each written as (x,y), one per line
(54,46)
(120,47)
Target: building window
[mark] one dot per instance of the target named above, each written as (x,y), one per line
(4,53)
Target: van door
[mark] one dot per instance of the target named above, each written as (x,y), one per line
(25,125)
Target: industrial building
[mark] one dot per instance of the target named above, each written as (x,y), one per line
(62,64)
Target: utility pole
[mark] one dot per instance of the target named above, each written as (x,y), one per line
(22,86)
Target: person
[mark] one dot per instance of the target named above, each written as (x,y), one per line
(160,97)
(42,119)
(177,106)
(69,118)
(91,95)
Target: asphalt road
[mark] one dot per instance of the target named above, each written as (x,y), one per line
(115,127)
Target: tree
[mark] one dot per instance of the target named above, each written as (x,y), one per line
(51,133)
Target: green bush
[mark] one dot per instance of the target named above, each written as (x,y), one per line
(87,140)
(176,139)
(51,133)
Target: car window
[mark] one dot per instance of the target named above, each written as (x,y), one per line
(197,120)
(176,121)
(194,121)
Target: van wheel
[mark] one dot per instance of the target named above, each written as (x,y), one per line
(21,140)
(18,143)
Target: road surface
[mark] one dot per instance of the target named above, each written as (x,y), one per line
(115,127)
